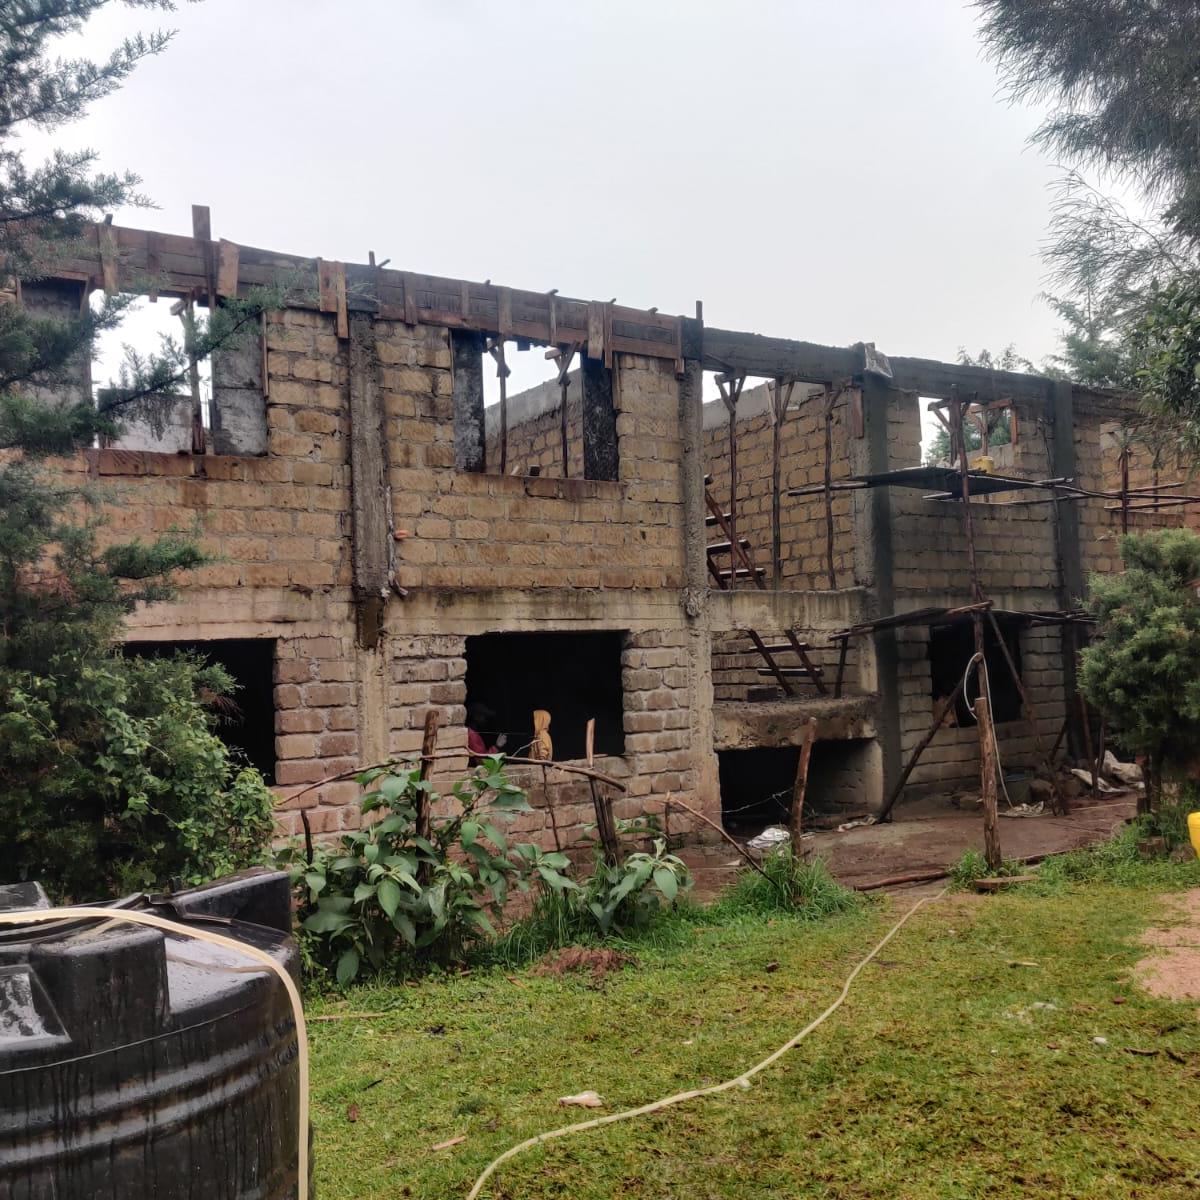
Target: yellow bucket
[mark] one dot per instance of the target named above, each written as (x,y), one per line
(1194,831)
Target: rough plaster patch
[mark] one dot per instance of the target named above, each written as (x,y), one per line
(1173,969)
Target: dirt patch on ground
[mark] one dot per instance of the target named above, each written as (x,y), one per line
(1172,969)
(581,958)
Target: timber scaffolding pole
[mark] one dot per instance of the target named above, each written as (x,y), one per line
(979,610)
(983,714)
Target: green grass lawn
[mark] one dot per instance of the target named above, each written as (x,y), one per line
(938,1078)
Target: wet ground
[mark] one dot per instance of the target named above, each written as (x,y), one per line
(927,836)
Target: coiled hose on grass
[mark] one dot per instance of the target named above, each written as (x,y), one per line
(742,1080)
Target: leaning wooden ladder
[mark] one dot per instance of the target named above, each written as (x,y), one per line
(742,566)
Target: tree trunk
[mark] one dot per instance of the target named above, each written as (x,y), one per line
(1148,800)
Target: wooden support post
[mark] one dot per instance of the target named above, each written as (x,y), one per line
(1087,740)
(604,820)
(202,234)
(987,779)
(731,390)
(939,717)
(565,359)
(424,823)
(829,401)
(550,809)
(502,371)
(1030,715)
(796,824)
(779,407)
(1062,733)
(1124,461)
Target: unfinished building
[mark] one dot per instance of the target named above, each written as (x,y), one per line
(701,540)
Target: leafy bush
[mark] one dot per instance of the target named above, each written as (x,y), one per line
(386,893)
(627,895)
(791,884)
(114,778)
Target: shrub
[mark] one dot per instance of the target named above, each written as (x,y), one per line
(386,894)
(114,778)
(1143,670)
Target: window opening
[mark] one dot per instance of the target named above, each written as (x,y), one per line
(245,719)
(118,356)
(573,676)
(508,409)
(757,784)
(951,648)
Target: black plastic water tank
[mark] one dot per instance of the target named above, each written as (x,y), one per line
(138,1065)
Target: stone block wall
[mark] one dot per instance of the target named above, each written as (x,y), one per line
(534,441)
(474,552)
(1014,540)
(951,761)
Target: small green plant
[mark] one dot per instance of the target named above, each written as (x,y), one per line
(627,895)
(387,893)
(1118,862)
(624,900)
(793,884)
(972,865)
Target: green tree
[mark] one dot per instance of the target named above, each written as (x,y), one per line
(1120,80)
(1142,671)
(111,772)
(999,426)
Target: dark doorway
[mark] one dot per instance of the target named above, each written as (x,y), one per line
(247,723)
(951,648)
(573,676)
(757,785)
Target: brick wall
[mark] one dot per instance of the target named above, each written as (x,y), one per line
(483,553)
(534,441)
(952,760)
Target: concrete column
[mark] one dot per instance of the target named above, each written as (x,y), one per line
(370,496)
(695,590)
(873,560)
(467,358)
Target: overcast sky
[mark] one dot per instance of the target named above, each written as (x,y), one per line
(832,171)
